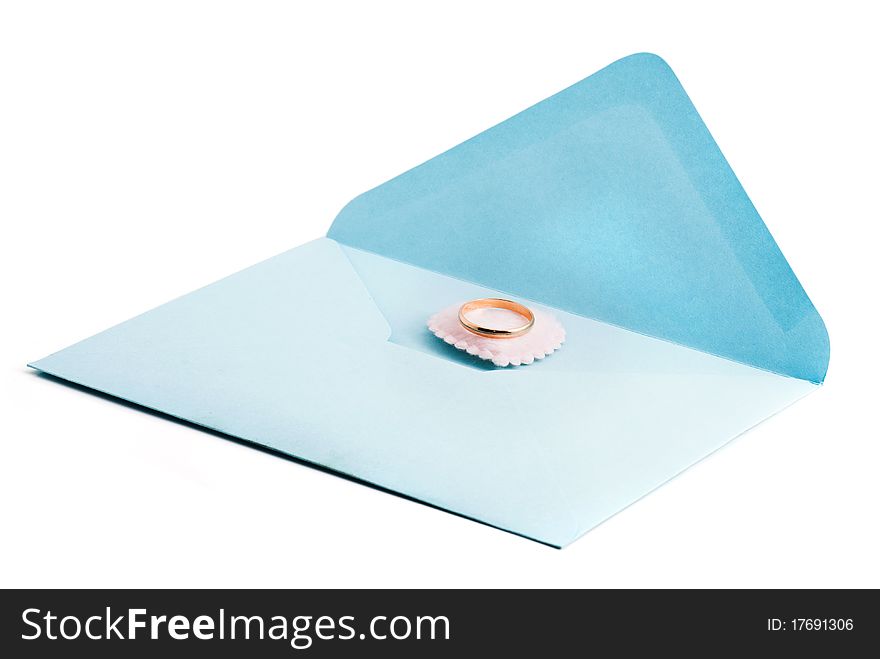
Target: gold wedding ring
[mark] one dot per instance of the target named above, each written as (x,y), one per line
(495,303)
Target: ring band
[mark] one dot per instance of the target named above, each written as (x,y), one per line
(495,303)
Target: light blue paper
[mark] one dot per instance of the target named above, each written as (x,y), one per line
(551,449)
(610,200)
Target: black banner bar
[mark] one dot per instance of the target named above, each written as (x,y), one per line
(407,623)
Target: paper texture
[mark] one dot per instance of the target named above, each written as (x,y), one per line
(546,451)
(611,200)
(610,206)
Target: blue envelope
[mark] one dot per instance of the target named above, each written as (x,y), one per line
(609,205)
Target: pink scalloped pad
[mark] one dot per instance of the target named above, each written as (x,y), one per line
(546,335)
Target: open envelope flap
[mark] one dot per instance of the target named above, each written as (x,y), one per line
(611,200)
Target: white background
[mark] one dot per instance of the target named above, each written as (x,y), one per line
(149,148)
